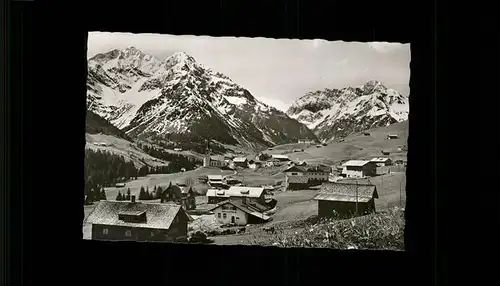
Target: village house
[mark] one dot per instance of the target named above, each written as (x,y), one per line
(262,157)
(240,212)
(345,199)
(173,193)
(240,162)
(216,181)
(214,161)
(392,136)
(358,169)
(137,221)
(280,158)
(297,182)
(306,141)
(251,194)
(254,164)
(366,133)
(315,174)
(386,152)
(381,162)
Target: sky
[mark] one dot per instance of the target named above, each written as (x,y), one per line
(276,71)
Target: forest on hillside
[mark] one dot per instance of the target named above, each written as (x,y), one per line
(177,161)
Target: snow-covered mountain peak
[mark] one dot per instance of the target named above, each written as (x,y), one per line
(339,112)
(181,96)
(179,59)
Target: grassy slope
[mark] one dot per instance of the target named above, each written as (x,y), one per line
(121,147)
(355,146)
(383,230)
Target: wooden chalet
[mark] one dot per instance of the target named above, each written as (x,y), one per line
(358,169)
(240,212)
(342,200)
(137,221)
(173,193)
(252,194)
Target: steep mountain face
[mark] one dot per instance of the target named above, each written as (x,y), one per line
(178,96)
(332,113)
(96,124)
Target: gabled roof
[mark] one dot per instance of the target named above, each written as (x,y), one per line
(277,156)
(251,208)
(298,180)
(240,159)
(173,189)
(379,160)
(250,192)
(186,190)
(346,192)
(215,177)
(158,216)
(356,163)
(217,158)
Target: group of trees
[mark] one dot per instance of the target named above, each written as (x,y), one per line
(124,197)
(104,169)
(144,194)
(94,195)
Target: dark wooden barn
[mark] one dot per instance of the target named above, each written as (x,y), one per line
(173,193)
(138,221)
(297,182)
(343,200)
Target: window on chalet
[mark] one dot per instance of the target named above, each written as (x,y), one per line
(295,174)
(218,215)
(224,215)
(152,234)
(237,218)
(105,231)
(128,233)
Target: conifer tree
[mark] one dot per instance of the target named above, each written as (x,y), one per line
(102,194)
(119,196)
(128,195)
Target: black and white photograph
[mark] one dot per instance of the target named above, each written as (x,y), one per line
(246,141)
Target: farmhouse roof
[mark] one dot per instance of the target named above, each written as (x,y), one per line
(173,189)
(278,156)
(379,160)
(158,216)
(356,163)
(214,177)
(217,158)
(240,159)
(187,190)
(251,192)
(346,192)
(298,180)
(251,208)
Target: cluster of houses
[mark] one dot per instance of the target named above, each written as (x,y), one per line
(143,221)
(138,221)
(231,163)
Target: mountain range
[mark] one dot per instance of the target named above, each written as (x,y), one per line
(179,97)
(332,113)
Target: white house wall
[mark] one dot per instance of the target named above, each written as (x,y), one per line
(240,217)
